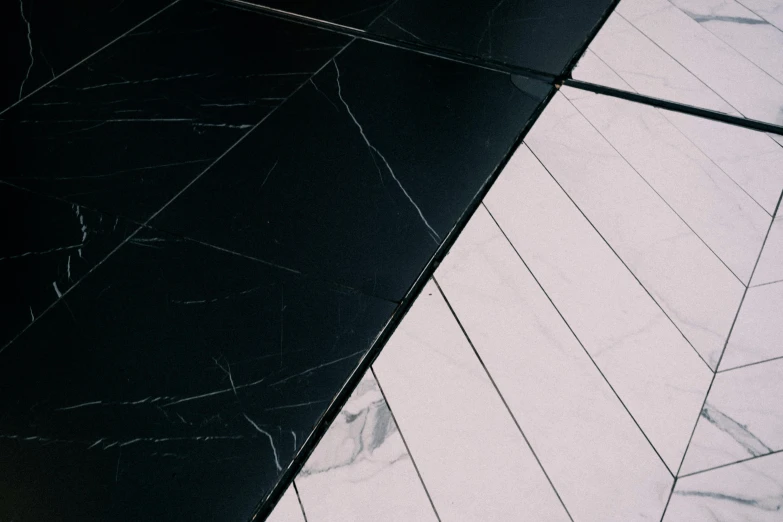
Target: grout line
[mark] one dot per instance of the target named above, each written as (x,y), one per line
(751,364)
(656,192)
(712,381)
(732,463)
(676,107)
(765,284)
(568,325)
(20,100)
(671,494)
(502,398)
(299,498)
(405,443)
(656,44)
(618,257)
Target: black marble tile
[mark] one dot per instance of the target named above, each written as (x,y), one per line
(353,13)
(361,174)
(128,129)
(173,383)
(43,39)
(46,246)
(543,35)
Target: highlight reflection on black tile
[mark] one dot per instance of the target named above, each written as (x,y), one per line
(395,147)
(543,35)
(174,383)
(46,246)
(128,129)
(44,39)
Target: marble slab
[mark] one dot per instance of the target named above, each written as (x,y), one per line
(742,418)
(176,382)
(288,509)
(471,455)
(45,39)
(47,247)
(750,491)
(597,457)
(652,368)
(751,159)
(746,86)
(758,333)
(698,293)
(360,469)
(129,128)
(741,29)
(770,267)
(726,219)
(769,10)
(396,147)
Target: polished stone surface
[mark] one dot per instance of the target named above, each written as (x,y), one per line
(45,39)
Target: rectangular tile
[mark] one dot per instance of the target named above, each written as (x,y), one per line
(597,457)
(758,332)
(770,266)
(744,85)
(742,418)
(647,68)
(751,159)
(470,454)
(175,379)
(47,246)
(697,292)
(654,371)
(360,469)
(46,39)
(397,146)
(748,491)
(740,28)
(710,203)
(127,130)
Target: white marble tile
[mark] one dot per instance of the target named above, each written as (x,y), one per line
(647,68)
(769,10)
(742,418)
(361,470)
(751,159)
(470,454)
(288,509)
(598,459)
(770,267)
(749,89)
(699,294)
(655,372)
(747,492)
(723,215)
(743,30)
(758,333)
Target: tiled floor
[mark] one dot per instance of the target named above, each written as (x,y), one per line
(218,213)
(603,341)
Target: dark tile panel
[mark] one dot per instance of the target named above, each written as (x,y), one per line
(362,174)
(128,129)
(538,34)
(173,384)
(46,246)
(45,38)
(543,35)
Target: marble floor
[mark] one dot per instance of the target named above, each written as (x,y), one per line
(604,340)
(408,261)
